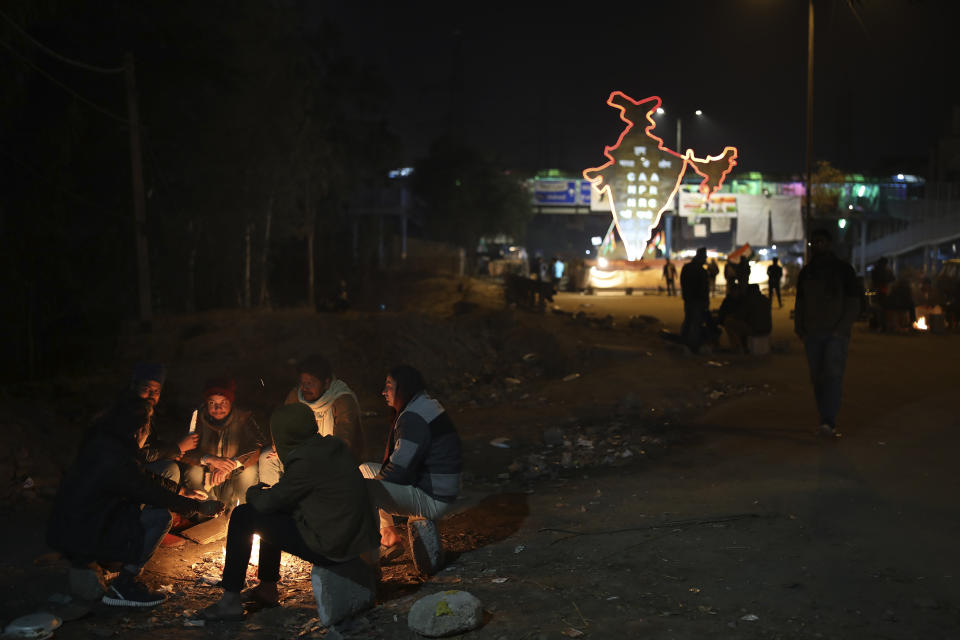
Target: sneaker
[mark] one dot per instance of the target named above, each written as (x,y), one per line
(828,431)
(131,592)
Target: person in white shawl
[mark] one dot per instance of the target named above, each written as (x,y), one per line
(334,406)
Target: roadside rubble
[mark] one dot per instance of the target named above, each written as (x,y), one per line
(581,446)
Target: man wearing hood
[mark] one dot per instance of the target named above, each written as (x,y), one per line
(827,305)
(335,409)
(319,511)
(111,509)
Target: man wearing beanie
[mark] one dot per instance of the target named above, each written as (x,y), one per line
(319,511)
(335,409)
(224,463)
(147,383)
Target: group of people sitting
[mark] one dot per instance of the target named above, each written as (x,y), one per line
(303,488)
(744,313)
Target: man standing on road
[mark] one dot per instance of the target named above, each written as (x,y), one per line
(828,303)
(695,288)
(774,274)
(670,275)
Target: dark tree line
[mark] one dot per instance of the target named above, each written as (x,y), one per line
(256,129)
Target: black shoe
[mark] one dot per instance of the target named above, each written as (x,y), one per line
(130,592)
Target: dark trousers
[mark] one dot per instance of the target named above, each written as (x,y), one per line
(156,523)
(698,325)
(278,532)
(827,359)
(671,287)
(775,286)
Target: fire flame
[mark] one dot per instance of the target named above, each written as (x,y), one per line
(921,324)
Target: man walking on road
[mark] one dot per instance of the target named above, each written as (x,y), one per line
(828,303)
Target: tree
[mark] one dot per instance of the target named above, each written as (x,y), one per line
(826,187)
(468,196)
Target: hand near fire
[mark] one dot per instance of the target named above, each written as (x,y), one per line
(210,508)
(218,477)
(189,443)
(220,465)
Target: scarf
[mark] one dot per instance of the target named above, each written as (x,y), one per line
(323,406)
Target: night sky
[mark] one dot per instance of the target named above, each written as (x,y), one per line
(528,82)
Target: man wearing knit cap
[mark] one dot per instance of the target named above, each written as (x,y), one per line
(319,511)
(147,383)
(224,463)
(334,406)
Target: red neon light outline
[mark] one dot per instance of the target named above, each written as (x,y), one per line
(689,160)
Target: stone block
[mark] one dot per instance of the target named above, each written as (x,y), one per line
(87,582)
(445,613)
(344,589)
(426,548)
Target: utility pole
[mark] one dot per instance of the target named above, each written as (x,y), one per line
(139,201)
(807,217)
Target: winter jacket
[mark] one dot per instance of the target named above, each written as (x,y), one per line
(237,437)
(96,515)
(326,494)
(828,297)
(695,283)
(424,450)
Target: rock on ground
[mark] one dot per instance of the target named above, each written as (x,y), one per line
(445,613)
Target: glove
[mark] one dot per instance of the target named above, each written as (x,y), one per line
(209,508)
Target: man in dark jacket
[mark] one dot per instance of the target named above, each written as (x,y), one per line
(224,463)
(319,510)
(828,303)
(695,288)
(774,275)
(161,457)
(110,509)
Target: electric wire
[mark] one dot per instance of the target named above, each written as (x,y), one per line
(62,58)
(93,105)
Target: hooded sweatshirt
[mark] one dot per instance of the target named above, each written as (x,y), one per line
(321,488)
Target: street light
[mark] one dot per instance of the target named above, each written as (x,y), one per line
(806,214)
(667,218)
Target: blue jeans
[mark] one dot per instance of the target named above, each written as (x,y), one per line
(827,359)
(156,523)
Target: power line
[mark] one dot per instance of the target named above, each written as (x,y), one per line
(50,52)
(89,103)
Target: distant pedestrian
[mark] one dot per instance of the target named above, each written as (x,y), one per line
(670,275)
(713,270)
(730,274)
(558,269)
(695,288)
(774,274)
(743,271)
(828,303)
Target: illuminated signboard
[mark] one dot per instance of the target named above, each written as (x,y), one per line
(641,176)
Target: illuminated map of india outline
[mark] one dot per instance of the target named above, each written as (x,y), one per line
(642,176)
